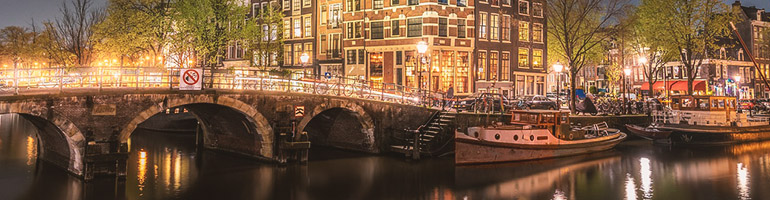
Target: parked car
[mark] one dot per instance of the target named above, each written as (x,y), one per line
(482,102)
(537,102)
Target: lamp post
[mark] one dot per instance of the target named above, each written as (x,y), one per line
(422,47)
(303,59)
(643,62)
(558,67)
(627,72)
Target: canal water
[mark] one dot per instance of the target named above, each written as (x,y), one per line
(168,166)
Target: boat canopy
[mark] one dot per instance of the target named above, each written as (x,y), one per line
(702,103)
(539,118)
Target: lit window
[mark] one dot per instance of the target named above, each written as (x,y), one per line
(523,58)
(537,59)
(297,28)
(523,31)
(308,27)
(537,32)
(483,26)
(494,22)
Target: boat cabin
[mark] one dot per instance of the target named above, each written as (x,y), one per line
(555,121)
(702,103)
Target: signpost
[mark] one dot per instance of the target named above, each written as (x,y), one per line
(299,111)
(191,79)
(328,75)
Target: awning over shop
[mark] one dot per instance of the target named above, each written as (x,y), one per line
(659,85)
(682,86)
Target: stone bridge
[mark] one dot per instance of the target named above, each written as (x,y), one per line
(79,126)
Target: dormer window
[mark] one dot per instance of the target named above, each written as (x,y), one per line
(740,54)
(722,53)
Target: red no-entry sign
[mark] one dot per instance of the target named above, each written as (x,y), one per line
(190,79)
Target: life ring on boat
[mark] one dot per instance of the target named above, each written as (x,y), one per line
(570,136)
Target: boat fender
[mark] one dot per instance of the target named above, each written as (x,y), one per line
(515,137)
(570,136)
(497,136)
(531,137)
(476,134)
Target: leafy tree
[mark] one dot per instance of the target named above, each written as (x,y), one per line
(16,44)
(690,28)
(263,35)
(576,29)
(136,29)
(206,27)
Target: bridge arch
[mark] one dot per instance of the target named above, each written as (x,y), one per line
(364,121)
(61,141)
(201,106)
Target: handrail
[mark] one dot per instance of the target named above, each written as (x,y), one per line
(32,79)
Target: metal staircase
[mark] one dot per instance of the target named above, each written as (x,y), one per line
(429,139)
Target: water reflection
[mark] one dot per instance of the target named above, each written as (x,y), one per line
(167,166)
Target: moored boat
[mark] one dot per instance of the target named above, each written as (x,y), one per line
(710,120)
(649,133)
(531,135)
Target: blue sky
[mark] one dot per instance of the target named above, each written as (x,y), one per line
(21,12)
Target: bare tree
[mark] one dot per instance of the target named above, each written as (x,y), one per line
(73,31)
(576,27)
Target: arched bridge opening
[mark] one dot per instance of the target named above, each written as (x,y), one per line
(342,128)
(54,145)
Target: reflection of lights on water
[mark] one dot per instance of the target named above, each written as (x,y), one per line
(166,168)
(743,182)
(630,188)
(646,175)
(31,150)
(177,170)
(559,195)
(142,171)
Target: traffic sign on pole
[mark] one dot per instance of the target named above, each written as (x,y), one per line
(191,79)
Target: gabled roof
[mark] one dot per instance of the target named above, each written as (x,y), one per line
(751,12)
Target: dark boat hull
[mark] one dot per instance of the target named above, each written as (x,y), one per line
(648,134)
(687,135)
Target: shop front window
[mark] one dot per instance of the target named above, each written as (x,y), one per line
(375,66)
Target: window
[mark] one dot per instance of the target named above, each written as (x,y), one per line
(335,46)
(482,64)
(361,56)
(494,22)
(287,54)
(377,32)
(523,58)
(394,28)
(309,50)
(297,28)
(483,26)
(324,44)
(461,28)
(351,57)
(308,27)
(377,4)
(524,7)
(537,9)
(494,2)
(295,5)
(286,5)
(507,28)
(413,2)
(255,9)
(537,32)
(399,57)
(444,2)
(462,2)
(273,32)
(324,16)
(297,54)
(354,30)
(523,31)
(414,27)
(334,15)
(287,28)
(265,30)
(394,2)
(354,5)
(507,2)
(442,27)
(305,3)
(493,70)
(537,59)
(505,65)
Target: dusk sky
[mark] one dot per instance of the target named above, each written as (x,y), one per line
(21,12)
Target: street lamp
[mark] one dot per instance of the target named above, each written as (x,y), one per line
(304,58)
(422,47)
(558,67)
(627,72)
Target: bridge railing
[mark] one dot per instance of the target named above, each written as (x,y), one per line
(44,80)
